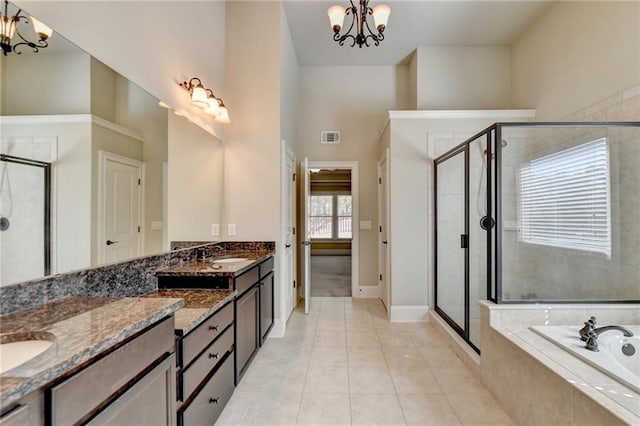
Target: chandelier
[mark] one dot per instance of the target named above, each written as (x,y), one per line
(205,99)
(9,28)
(359,20)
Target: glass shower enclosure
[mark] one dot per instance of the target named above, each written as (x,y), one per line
(537,213)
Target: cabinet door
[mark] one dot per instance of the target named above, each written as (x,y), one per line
(266,306)
(247,333)
(151,401)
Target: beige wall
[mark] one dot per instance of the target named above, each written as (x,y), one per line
(576,54)
(452,77)
(355,101)
(289,82)
(195,181)
(103,90)
(413,81)
(64,76)
(147,45)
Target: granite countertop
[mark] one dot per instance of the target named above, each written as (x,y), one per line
(207,267)
(198,305)
(83,328)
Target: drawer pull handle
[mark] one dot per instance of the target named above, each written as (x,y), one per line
(213,400)
(213,327)
(215,356)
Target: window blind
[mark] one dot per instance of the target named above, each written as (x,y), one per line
(564,199)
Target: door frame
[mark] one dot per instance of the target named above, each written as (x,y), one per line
(103,157)
(355,217)
(384,158)
(286,153)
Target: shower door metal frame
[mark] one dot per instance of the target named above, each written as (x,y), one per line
(47,202)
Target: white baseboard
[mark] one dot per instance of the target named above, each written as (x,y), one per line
(417,313)
(368,292)
(279,328)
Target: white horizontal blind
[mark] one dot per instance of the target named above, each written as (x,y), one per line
(564,199)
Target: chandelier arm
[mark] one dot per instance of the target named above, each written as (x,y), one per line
(35,46)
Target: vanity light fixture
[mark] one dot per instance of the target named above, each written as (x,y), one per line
(207,100)
(359,20)
(9,28)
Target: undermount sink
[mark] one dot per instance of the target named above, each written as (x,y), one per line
(18,348)
(230,260)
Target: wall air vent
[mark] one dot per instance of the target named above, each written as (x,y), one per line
(330,136)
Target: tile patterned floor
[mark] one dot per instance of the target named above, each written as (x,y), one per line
(345,364)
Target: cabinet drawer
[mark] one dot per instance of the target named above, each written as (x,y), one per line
(246,280)
(203,365)
(19,416)
(195,342)
(74,398)
(266,267)
(151,401)
(207,406)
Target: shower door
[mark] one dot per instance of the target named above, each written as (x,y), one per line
(462,219)
(24,219)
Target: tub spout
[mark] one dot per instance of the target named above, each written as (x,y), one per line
(625,331)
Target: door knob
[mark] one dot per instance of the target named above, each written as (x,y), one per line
(287,245)
(109,242)
(384,242)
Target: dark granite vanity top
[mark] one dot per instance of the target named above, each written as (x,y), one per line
(198,305)
(82,327)
(208,267)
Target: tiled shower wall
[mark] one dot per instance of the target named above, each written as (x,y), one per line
(537,272)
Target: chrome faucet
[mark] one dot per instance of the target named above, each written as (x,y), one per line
(625,331)
(590,334)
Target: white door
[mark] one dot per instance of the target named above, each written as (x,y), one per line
(306,240)
(291,298)
(383,252)
(120,236)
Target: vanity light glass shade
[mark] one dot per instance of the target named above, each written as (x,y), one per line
(199,97)
(223,115)
(213,106)
(381,16)
(336,17)
(7,28)
(43,31)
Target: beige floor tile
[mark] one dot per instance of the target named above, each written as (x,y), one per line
(383,325)
(328,355)
(327,379)
(330,339)
(440,356)
(371,409)
(268,408)
(325,409)
(366,356)
(395,340)
(331,314)
(428,410)
(426,338)
(359,322)
(235,410)
(414,380)
(362,338)
(456,380)
(370,380)
(331,325)
(283,379)
(403,357)
(479,409)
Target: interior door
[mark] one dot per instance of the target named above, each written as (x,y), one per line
(383,254)
(122,203)
(306,240)
(289,247)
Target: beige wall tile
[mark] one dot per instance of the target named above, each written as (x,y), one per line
(547,398)
(586,412)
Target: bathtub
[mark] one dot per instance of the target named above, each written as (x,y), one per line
(611,359)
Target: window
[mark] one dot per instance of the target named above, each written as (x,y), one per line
(330,216)
(564,199)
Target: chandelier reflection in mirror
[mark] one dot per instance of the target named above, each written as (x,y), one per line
(10,27)
(205,99)
(360,21)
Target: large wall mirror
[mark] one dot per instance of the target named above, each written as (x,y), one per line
(92,169)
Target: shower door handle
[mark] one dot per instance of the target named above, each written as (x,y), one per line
(464,241)
(109,242)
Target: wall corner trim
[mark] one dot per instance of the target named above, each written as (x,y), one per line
(409,313)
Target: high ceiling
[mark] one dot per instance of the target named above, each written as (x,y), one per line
(412,24)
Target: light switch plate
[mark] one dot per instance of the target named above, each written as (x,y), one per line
(215,229)
(156,225)
(365,224)
(231,229)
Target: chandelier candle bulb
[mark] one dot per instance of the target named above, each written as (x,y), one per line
(381,16)
(9,28)
(336,17)
(43,31)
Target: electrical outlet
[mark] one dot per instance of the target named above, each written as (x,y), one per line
(231,229)
(215,229)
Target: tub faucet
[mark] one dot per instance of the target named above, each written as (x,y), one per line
(625,331)
(588,326)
